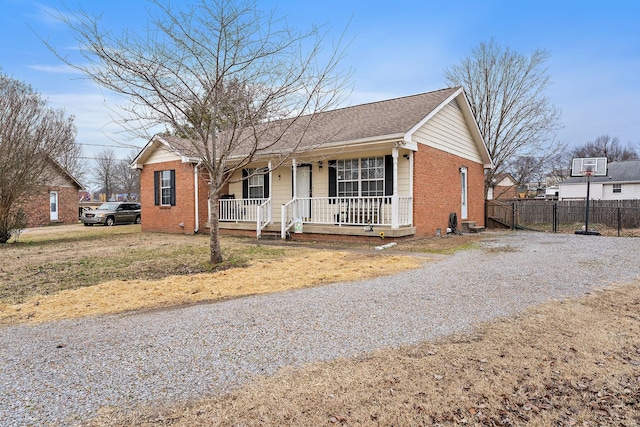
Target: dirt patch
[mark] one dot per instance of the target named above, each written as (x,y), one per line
(571,363)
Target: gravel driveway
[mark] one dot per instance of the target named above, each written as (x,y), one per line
(65,371)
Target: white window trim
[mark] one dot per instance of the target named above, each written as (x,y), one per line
(165,187)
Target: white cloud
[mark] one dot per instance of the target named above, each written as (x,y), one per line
(58,69)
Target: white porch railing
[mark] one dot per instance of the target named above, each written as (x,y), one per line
(242,210)
(376,211)
(263,217)
(286,218)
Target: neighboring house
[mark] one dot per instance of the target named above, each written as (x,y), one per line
(55,201)
(399,166)
(503,186)
(621,183)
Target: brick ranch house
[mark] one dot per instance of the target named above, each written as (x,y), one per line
(55,201)
(400,166)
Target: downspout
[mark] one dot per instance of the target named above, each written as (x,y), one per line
(196,192)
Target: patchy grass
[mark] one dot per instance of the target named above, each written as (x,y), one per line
(53,274)
(570,363)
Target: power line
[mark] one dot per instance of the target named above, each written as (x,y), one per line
(109,146)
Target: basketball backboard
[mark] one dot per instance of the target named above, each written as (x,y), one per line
(589,166)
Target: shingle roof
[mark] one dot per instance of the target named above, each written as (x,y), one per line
(388,117)
(616,172)
(391,117)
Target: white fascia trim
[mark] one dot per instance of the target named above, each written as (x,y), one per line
(138,161)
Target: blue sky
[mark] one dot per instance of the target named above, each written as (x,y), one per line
(399,48)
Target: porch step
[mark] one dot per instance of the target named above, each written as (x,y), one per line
(471,227)
(269,236)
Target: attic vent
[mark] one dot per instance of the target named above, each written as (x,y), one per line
(455,103)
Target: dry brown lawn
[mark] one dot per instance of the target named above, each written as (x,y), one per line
(68,272)
(571,363)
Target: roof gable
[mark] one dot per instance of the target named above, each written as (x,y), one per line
(63,174)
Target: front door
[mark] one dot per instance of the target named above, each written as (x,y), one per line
(303,190)
(53,205)
(463,182)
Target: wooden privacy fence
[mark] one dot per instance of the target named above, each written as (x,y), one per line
(531,213)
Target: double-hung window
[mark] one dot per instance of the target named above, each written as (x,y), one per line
(348,178)
(360,177)
(164,184)
(617,188)
(255,184)
(372,176)
(165,188)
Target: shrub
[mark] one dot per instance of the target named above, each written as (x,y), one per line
(12,225)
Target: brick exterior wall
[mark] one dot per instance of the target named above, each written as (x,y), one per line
(437,193)
(437,190)
(37,207)
(168,218)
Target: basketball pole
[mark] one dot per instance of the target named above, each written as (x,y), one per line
(586,216)
(586,231)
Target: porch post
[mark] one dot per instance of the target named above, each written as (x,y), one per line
(270,180)
(395,200)
(294,208)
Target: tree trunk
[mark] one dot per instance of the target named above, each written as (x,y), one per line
(214,243)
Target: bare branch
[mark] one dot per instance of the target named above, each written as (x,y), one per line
(31,135)
(231,82)
(506,91)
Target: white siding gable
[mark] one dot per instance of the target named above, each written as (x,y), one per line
(448,131)
(161,155)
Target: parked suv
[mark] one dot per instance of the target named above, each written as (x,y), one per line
(111,213)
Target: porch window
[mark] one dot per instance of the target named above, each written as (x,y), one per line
(255,184)
(165,187)
(372,175)
(348,174)
(361,177)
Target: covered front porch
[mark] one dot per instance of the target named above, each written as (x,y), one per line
(362,191)
(354,216)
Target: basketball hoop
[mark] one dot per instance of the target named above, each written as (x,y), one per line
(588,170)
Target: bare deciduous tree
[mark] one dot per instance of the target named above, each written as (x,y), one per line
(527,169)
(506,91)
(105,172)
(128,179)
(606,146)
(71,160)
(218,74)
(31,134)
